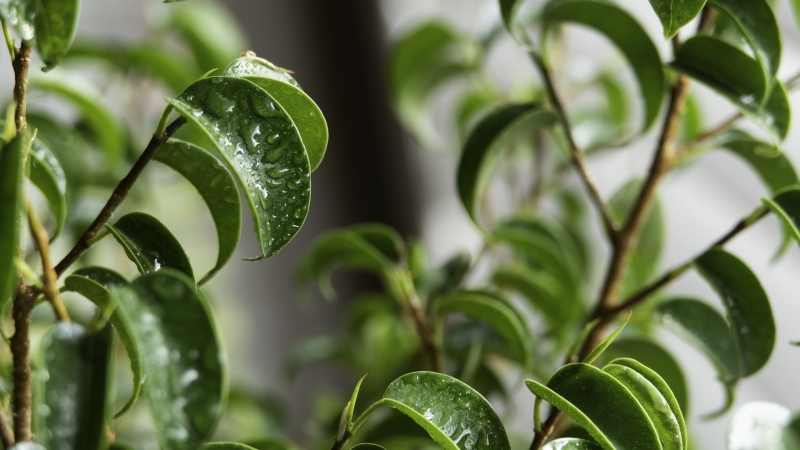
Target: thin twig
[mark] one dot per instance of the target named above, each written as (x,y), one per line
(20,351)
(49,288)
(21,64)
(708,134)
(119,194)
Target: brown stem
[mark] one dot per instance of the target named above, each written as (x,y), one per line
(6,432)
(119,194)
(49,288)
(339,444)
(20,350)
(21,64)
(708,134)
(428,338)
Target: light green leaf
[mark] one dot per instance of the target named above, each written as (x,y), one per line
(692,121)
(759,426)
(225,446)
(273,444)
(95,284)
(737,77)
(56,22)
(616,99)
(538,287)
(748,307)
(628,36)
(608,340)
(262,147)
(19,15)
(250,65)
(78,391)
(382,237)
(601,405)
(571,444)
(352,406)
(46,173)
(183,357)
(11,173)
(456,416)
(472,105)
(771,165)
(149,244)
(485,144)
(213,34)
(217,187)
(675,14)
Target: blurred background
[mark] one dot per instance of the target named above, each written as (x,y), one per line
(374,172)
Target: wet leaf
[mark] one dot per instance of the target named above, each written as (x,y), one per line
(78,391)
(626,34)
(250,65)
(56,22)
(149,244)
(183,357)
(95,283)
(262,147)
(675,14)
(759,426)
(213,34)
(571,444)
(485,144)
(771,165)
(11,173)
(454,415)
(737,77)
(46,173)
(217,187)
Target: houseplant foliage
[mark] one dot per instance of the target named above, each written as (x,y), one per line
(232,127)
(530,305)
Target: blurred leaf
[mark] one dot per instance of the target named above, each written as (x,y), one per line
(78,391)
(149,244)
(453,414)
(600,405)
(616,100)
(69,148)
(472,105)
(485,144)
(368,447)
(19,15)
(262,146)
(46,173)
(786,205)
(675,14)
(217,187)
(182,353)
(771,165)
(626,34)
(570,444)
(759,426)
(382,237)
(211,31)
(737,77)
(95,284)
(56,22)
(692,121)
(28,446)
(225,446)
(273,444)
(11,173)
(539,288)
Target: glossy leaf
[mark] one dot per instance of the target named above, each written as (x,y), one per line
(599,404)
(353,397)
(217,187)
(212,33)
(453,414)
(149,244)
(11,173)
(538,287)
(182,354)
(494,311)
(771,165)
(675,14)
(606,342)
(759,426)
(628,36)
(78,391)
(571,444)
(250,65)
(737,77)
(46,173)
(748,307)
(786,205)
(485,144)
(262,147)
(225,446)
(56,22)
(95,283)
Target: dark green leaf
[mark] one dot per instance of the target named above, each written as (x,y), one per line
(225,446)
(149,244)
(674,14)
(771,165)
(56,22)
(786,205)
(471,106)
(508,10)
(95,284)
(262,146)
(454,415)
(368,447)
(216,185)
(601,405)
(273,444)
(484,146)
(383,238)
(211,31)
(539,288)
(748,307)
(46,173)
(737,77)
(11,173)
(78,391)
(759,426)
(626,33)
(570,444)
(182,354)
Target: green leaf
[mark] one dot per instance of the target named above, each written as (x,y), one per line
(599,404)
(11,173)
(508,11)
(182,354)
(56,22)
(472,105)
(494,311)
(352,405)
(383,238)
(616,99)
(484,146)
(213,34)
(539,288)
(273,444)
(78,391)
(737,77)
(46,173)
(262,147)
(368,447)
(225,446)
(771,165)
(454,415)
(759,426)
(675,14)
(645,257)
(20,15)
(250,65)
(626,34)
(608,340)
(149,244)
(570,444)
(748,307)
(786,205)
(107,133)
(692,121)
(95,284)
(653,394)
(217,187)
